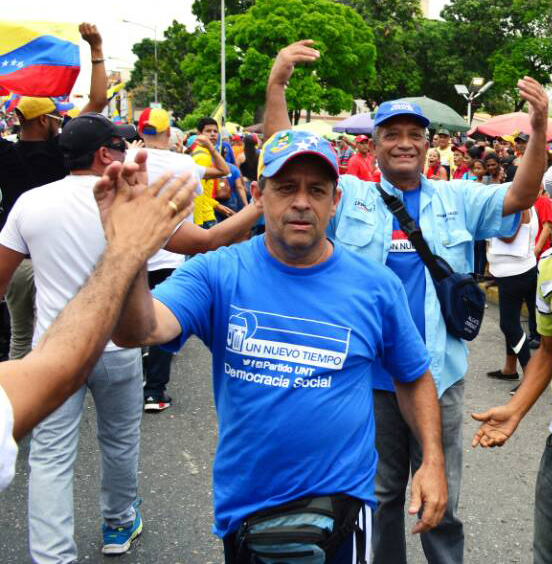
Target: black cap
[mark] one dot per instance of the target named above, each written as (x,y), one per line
(522,137)
(87,132)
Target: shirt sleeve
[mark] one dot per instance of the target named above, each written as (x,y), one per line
(8,446)
(188,294)
(405,356)
(483,205)
(10,236)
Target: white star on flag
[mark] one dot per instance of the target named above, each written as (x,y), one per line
(14,62)
(20,64)
(302,146)
(313,140)
(5,63)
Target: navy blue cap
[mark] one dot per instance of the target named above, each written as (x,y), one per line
(388,110)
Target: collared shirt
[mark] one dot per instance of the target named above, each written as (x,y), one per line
(453,214)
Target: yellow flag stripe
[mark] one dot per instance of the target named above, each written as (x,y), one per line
(18,33)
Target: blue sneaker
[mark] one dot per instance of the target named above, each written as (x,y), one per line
(118,540)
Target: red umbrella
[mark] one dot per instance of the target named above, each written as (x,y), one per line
(507,124)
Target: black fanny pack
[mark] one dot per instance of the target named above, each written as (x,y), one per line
(307,529)
(462,300)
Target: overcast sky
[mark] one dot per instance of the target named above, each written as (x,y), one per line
(119,36)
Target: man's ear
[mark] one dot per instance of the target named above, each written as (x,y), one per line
(257,194)
(104,156)
(336,200)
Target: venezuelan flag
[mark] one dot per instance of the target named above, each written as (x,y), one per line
(39,58)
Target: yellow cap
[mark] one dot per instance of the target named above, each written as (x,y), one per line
(31,108)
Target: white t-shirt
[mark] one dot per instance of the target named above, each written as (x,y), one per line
(59,226)
(8,447)
(517,257)
(161,161)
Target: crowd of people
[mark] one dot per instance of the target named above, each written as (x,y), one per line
(117,244)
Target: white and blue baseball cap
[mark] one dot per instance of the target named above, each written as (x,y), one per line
(288,144)
(394,108)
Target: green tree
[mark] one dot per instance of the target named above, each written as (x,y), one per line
(395,24)
(253,39)
(174,89)
(207,11)
(502,41)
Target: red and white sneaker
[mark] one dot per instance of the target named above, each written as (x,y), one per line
(157,403)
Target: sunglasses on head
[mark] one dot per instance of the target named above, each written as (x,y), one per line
(59,119)
(116,145)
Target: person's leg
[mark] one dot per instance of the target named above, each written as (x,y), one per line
(392,444)
(530,300)
(445,543)
(51,459)
(511,294)
(20,298)
(158,360)
(542,539)
(117,389)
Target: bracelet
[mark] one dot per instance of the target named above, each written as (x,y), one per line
(97,61)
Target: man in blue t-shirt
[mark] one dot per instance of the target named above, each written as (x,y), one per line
(296,325)
(451,215)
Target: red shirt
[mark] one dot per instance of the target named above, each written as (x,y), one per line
(362,167)
(543,205)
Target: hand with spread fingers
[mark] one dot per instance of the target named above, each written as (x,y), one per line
(498,425)
(429,494)
(288,57)
(531,91)
(137,218)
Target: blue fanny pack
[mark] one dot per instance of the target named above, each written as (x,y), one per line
(462,300)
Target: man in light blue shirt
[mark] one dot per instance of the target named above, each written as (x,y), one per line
(451,215)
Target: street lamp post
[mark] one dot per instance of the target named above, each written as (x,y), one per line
(222,63)
(154,29)
(474,90)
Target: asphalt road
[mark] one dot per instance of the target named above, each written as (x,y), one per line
(177,452)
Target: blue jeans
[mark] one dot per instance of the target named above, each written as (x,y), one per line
(400,454)
(542,539)
(116,386)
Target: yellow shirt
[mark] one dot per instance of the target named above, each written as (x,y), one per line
(204,204)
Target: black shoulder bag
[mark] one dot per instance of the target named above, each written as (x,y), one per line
(462,300)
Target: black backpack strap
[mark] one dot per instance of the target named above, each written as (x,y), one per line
(413,232)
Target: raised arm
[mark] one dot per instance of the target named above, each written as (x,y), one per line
(98,81)
(525,188)
(276,115)
(135,228)
(420,408)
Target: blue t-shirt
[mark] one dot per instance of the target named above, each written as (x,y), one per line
(405,262)
(293,356)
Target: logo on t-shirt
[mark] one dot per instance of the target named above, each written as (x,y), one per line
(400,243)
(289,339)
(361,205)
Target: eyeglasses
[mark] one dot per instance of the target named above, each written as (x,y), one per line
(59,119)
(118,146)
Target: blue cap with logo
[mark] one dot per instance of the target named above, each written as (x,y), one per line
(388,110)
(288,144)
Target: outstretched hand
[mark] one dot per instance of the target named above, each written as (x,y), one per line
(139,219)
(498,425)
(533,92)
(288,57)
